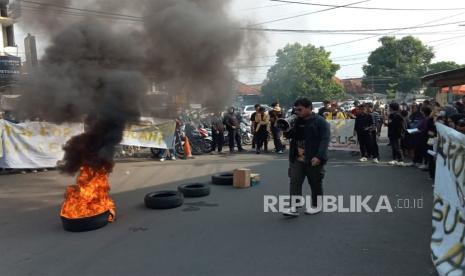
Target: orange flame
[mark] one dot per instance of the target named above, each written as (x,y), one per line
(89,197)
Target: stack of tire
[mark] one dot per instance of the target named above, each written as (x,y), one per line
(174,199)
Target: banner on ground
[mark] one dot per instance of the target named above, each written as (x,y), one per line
(39,145)
(342,135)
(447,241)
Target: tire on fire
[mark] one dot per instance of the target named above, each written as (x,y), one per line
(87,223)
(194,190)
(223,179)
(163,200)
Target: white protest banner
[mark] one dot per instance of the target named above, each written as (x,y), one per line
(151,136)
(342,135)
(39,145)
(447,241)
(34,144)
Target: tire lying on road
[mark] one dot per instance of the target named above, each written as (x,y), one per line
(223,179)
(163,200)
(194,190)
(87,223)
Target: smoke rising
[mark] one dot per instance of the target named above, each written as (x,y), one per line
(99,72)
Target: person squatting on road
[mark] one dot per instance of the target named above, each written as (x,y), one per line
(309,140)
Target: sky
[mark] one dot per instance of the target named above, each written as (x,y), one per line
(447,39)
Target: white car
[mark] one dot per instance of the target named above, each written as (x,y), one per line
(317,106)
(249,109)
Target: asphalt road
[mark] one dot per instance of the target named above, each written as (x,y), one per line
(228,232)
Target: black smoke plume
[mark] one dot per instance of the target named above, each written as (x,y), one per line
(98,70)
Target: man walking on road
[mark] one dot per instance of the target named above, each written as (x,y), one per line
(309,140)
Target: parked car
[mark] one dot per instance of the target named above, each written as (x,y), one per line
(249,109)
(317,106)
(347,106)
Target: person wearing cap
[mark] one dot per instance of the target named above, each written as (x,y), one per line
(275,113)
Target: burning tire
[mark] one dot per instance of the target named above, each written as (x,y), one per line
(194,190)
(223,179)
(85,224)
(163,200)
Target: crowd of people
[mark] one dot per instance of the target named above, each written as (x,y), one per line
(262,124)
(410,128)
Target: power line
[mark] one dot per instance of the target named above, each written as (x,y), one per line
(263,7)
(423,26)
(124,16)
(37,10)
(358,63)
(308,13)
(375,33)
(369,37)
(444,39)
(448,43)
(368,8)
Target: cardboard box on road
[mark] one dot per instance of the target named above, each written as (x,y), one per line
(241,178)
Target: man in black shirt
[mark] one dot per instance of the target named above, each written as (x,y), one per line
(309,141)
(397,127)
(217,132)
(363,126)
(232,123)
(326,108)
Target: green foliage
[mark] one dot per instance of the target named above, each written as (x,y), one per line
(397,64)
(436,68)
(302,71)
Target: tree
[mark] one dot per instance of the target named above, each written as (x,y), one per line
(397,64)
(436,68)
(442,66)
(302,71)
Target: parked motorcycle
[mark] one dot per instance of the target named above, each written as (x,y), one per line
(246,134)
(178,145)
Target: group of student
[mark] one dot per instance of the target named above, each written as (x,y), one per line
(264,124)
